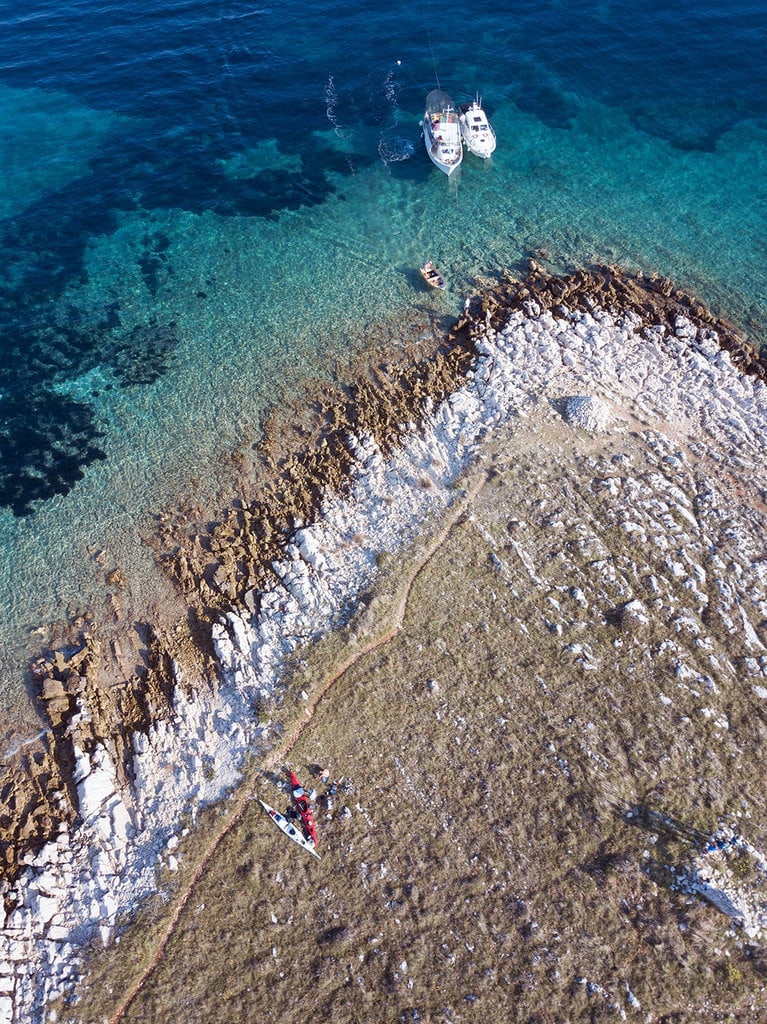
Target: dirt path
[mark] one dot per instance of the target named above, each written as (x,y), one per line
(398,612)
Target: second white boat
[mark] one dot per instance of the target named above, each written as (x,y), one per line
(442,132)
(476,130)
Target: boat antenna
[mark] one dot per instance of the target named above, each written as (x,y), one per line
(433,61)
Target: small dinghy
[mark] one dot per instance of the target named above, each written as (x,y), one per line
(432,276)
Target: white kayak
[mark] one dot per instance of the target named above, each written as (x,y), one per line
(289,829)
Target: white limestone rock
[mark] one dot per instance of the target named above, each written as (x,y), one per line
(122,827)
(44,908)
(95,777)
(587,412)
(310,550)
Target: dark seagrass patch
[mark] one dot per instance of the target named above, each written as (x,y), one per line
(46,441)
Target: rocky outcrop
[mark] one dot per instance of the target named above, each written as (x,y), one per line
(229,563)
(587,412)
(653,298)
(127,752)
(225,569)
(732,874)
(44,794)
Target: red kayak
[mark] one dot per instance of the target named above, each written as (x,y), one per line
(304,807)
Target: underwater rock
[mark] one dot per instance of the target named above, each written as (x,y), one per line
(142,355)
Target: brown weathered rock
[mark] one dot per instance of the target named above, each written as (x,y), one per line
(53,689)
(115,578)
(57,707)
(74,683)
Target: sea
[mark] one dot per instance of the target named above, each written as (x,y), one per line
(204,205)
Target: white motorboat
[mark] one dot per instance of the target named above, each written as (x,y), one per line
(476,131)
(442,132)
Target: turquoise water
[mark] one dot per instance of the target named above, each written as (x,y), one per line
(202,205)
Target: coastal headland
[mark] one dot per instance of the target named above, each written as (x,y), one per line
(513,588)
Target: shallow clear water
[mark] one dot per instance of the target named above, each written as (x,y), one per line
(203,203)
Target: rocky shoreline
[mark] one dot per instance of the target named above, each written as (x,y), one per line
(88,816)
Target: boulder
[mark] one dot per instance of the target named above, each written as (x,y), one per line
(309,549)
(95,781)
(632,616)
(121,823)
(47,883)
(44,908)
(53,689)
(57,708)
(586,412)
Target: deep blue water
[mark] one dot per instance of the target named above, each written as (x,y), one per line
(201,202)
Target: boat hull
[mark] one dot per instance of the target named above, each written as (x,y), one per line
(433,149)
(289,829)
(442,132)
(433,279)
(476,131)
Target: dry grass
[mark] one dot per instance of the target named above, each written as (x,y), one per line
(488,870)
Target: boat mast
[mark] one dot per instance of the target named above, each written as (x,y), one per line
(433,61)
